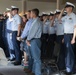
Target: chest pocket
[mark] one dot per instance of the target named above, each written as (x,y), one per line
(14,21)
(70,20)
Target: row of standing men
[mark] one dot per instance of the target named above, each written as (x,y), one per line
(59,27)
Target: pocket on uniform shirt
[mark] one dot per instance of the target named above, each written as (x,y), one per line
(70,20)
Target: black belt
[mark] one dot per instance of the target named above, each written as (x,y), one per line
(35,38)
(68,33)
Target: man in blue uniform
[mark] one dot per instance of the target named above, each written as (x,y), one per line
(9,35)
(44,36)
(52,35)
(69,25)
(60,36)
(16,29)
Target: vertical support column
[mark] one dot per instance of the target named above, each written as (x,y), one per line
(58,4)
(23,6)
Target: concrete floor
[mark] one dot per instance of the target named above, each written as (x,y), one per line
(12,70)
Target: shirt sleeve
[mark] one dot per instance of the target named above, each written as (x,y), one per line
(19,20)
(74,20)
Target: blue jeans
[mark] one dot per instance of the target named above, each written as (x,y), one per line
(10,45)
(69,53)
(36,54)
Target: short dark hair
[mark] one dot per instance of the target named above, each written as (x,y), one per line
(36,11)
(15,9)
(29,11)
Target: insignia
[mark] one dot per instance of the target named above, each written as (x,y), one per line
(70,18)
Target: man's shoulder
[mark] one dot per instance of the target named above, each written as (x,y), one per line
(17,16)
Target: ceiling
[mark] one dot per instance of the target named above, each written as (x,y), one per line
(63,1)
(39,0)
(44,0)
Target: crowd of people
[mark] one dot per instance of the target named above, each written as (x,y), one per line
(34,37)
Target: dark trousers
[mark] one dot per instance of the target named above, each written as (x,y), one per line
(16,45)
(69,51)
(61,59)
(51,44)
(44,42)
(6,49)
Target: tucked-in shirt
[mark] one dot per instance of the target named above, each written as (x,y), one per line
(35,29)
(70,22)
(26,29)
(51,29)
(16,21)
(59,26)
(8,24)
(45,27)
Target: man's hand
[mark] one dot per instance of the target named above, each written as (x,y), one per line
(62,40)
(60,16)
(19,38)
(28,43)
(45,20)
(72,41)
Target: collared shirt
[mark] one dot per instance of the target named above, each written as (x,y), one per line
(35,29)
(45,27)
(8,24)
(51,29)
(70,22)
(26,29)
(59,26)
(16,20)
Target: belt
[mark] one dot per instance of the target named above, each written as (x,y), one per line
(9,31)
(35,38)
(68,33)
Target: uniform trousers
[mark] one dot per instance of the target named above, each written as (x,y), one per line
(61,59)
(10,45)
(44,40)
(51,44)
(16,45)
(69,52)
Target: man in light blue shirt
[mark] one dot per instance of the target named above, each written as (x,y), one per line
(60,36)
(26,29)
(9,36)
(69,25)
(16,29)
(44,36)
(52,35)
(24,37)
(33,41)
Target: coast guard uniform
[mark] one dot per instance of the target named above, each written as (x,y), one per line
(16,21)
(44,37)
(70,22)
(51,38)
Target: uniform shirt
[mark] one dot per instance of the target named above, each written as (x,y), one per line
(45,27)
(16,20)
(51,29)
(70,22)
(59,26)
(35,29)
(8,24)
(26,29)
